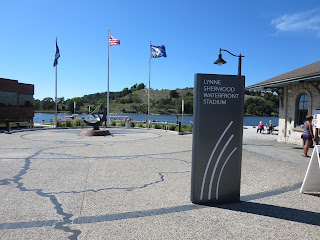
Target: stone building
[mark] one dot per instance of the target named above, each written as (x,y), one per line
(299,93)
(16,101)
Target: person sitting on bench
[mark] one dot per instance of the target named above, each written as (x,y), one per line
(260,127)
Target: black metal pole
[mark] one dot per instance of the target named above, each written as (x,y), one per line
(239,65)
(7,126)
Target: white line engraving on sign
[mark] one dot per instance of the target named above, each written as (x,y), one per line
(217,189)
(208,164)
(217,162)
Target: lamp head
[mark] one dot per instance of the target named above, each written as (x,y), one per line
(220,61)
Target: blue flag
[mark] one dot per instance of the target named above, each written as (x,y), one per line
(158,51)
(55,63)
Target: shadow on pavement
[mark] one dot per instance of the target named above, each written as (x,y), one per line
(289,214)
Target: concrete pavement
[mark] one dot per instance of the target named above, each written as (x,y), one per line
(135,184)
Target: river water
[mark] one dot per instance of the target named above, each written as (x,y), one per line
(248,121)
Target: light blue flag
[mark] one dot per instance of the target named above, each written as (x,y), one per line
(158,51)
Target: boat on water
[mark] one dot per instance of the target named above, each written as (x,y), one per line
(73,116)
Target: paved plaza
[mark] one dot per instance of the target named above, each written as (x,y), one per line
(135,184)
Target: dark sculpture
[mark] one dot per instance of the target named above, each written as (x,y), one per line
(96,125)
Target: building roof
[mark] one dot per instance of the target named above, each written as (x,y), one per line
(310,72)
(14,86)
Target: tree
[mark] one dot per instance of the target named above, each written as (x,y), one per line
(70,104)
(61,100)
(134,88)
(174,94)
(259,107)
(125,92)
(141,86)
(47,104)
(188,105)
(143,108)
(37,104)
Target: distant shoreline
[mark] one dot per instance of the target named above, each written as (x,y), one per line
(156,114)
(187,119)
(128,113)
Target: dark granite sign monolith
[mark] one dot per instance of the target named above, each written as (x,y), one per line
(217,138)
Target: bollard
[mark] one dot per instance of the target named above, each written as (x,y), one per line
(31,125)
(7,127)
(179,127)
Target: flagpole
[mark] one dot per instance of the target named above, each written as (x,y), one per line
(149,85)
(55,100)
(108,80)
(56,104)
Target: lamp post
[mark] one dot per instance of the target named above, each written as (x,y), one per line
(220,61)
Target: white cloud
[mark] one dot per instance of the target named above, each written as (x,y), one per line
(309,20)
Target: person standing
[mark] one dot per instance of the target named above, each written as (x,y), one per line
(270,127)
(307,135)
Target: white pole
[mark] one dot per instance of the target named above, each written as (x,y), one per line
(108,80)
(182,111)
(56,102)
(74,107)
(149,85)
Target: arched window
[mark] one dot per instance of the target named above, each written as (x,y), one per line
(302,108)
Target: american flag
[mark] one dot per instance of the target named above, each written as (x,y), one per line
(113,41)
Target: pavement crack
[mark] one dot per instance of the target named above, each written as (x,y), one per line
(5,181)
(85,187)
(58,206)
(173,159)
(66,216)
(3,234)
(115,188)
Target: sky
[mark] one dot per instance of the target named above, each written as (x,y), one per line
(274,36)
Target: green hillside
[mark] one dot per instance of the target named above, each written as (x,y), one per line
(161,101)
(135,100)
